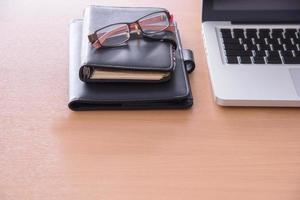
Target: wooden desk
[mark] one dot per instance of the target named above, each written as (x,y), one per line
(205,153)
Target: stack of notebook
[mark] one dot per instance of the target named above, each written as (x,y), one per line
(143,73)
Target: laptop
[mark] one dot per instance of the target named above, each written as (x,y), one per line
(253,51)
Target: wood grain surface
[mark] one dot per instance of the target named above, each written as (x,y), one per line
(205,153)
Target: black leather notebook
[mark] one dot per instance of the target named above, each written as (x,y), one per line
(175,93)
(140,60)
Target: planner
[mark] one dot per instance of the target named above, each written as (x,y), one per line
(175,93)
(144,59)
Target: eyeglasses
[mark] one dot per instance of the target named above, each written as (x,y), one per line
(118,34)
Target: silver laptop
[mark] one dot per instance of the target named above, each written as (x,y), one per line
(253,51)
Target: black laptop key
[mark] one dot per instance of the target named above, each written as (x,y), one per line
(252,47)
(290,33)
(251,30)
(273,41)
(277,47)
(291,60)
(234,47)
(226,30)
(277,32)
(231,41)
(296,41)
(286,53)
(264,33)
(247,53)
(245,60)
(238,33)
(259,60)
(286,41)
(254,36)
(273,53)
(274,57)
(251,33)
(226,33)
(260,53)
(264,47)
(291,47)
(290,30)
(259,41)
(247,41)
(273,60)
(232,53)
(238,53)
(232,60)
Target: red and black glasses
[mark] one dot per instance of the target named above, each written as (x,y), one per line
(118,34)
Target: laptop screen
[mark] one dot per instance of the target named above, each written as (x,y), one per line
(252,11)
(256,5)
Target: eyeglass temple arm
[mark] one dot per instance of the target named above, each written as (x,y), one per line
(170,28)
(97,39)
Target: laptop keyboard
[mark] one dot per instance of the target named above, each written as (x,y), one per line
(261,46)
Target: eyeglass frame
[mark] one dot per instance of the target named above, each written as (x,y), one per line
(94,39)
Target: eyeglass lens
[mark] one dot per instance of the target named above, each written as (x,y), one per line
(154,23)
(113,35)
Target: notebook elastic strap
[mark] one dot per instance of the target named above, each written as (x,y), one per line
(188,59)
